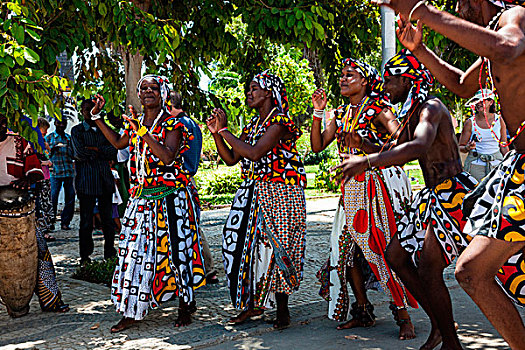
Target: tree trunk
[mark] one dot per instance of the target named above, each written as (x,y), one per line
(133,65)
(314,63)
(132,69)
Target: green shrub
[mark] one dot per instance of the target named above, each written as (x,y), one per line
(323,177)
(98,271)
(312,158)
(222,183)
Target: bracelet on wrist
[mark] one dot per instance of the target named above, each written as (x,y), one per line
(416,6)
(95,116)
(223,129)
(319,114)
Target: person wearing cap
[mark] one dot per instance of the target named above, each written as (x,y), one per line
(495,31)
(477,138)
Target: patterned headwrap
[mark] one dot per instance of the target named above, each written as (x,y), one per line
(273,83)
(163,85)
(405,64)
(372,76)
(506,4)
(372,105)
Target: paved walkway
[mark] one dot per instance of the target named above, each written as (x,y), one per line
(87,325)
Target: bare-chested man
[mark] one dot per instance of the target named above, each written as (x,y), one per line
(495,30)
(429,236)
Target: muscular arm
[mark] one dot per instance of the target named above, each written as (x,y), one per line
(424,136)
(267,142)
(320,140)
(503,46)
(463,84)
(118,141)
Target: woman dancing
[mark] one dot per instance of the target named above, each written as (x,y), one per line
(264,236)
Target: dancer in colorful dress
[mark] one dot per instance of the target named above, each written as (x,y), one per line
(264,235)
(495,31)
(22,169)
(371,204)
(429,236)
(159,246)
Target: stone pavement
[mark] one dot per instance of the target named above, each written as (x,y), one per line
(87,325)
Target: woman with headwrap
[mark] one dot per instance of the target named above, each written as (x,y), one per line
(371,202)
(159,245)
(264,236)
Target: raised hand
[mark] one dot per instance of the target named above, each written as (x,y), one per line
(411,37)
(99,104)
(222,120)
(133,121)
(211,123)
(319,99)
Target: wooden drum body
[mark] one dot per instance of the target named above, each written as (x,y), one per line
(18,250)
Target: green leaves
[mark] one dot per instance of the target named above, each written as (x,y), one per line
(31,55)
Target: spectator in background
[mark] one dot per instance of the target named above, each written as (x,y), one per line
(62,172)
(93,181)
(484,151)
(192,159)
(44,206)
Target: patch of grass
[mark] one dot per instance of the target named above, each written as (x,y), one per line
(97,271)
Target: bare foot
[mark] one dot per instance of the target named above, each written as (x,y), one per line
(124,323)
(283,319)
(434,339)
(245,315)
(184,318)
(406,330)
(354,323)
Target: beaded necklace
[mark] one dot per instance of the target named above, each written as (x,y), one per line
(140,157)
(349,121)
(257,128)
(491,125)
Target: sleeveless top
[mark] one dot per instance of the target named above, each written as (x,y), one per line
(281,164)
(158,174)
(486,143)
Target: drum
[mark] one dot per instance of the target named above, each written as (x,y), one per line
(18,250)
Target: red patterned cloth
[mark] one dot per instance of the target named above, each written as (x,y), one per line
(159,174)
(283,163)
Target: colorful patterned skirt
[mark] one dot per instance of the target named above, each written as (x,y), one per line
(441,207)
(496,209)
(264,242)
(372,204)
(46,289)
(159,254)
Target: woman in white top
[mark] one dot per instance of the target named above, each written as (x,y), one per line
(479,139)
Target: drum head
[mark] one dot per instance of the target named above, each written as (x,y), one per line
(12,198)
